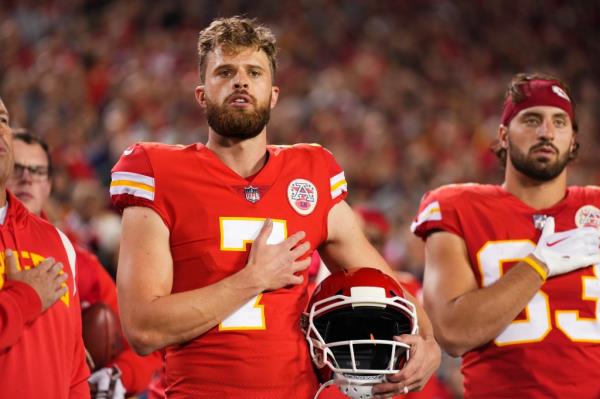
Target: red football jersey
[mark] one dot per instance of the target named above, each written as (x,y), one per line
(551,350)
(212,214)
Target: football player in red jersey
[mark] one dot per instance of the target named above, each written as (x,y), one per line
(227,312)
(31,182)
(511,280)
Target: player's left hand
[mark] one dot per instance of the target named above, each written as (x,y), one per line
(425,358)
(106,384)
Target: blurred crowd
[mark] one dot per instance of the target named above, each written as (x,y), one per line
(406,94)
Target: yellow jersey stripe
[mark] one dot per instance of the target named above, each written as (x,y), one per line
(431,212)
(137,177)
(130,183)
(338,185)
(339,177)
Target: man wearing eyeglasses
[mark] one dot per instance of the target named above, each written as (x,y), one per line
(41,348)
(31,182)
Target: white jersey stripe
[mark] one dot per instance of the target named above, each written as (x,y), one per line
(336,193)
(336,179)
(431,212)
(135,191)
(71,256)
(136,177)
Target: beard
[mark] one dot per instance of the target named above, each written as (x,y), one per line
(235,123)
(530,166)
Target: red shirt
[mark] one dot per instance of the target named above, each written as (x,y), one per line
(552,349)
(41,354)
(212,213)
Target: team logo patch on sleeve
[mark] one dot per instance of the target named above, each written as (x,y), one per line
(588,215)
(302,195)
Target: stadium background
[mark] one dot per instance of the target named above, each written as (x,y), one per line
(406,94)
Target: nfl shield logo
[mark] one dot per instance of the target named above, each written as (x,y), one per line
(252,194)
(539,221)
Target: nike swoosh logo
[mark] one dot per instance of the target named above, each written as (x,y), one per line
(128,151)
(551,244)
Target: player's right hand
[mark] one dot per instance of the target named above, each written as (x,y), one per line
(568,250)
(275,266)
(47,278)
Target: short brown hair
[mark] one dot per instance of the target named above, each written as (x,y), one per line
(234,33)
(516,93)
(30,138)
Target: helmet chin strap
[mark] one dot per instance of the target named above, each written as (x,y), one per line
(322,388)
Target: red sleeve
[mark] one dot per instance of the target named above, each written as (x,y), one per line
(86,279)
(438,212)
(108,289)
(133,184)
(137,371)
(19,306)
(79,374)
(105,285)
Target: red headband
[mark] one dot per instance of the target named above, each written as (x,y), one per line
(538,92)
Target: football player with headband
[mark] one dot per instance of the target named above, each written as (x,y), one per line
(217,239)
(511,279)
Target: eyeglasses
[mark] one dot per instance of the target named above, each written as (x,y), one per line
(36,172)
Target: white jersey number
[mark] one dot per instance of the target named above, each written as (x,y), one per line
(236,233)
(538,322)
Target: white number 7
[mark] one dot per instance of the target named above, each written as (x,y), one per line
(236,233)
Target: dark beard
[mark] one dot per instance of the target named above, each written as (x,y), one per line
(237,123)
(537,170)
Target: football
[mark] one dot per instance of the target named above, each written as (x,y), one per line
(102,334)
